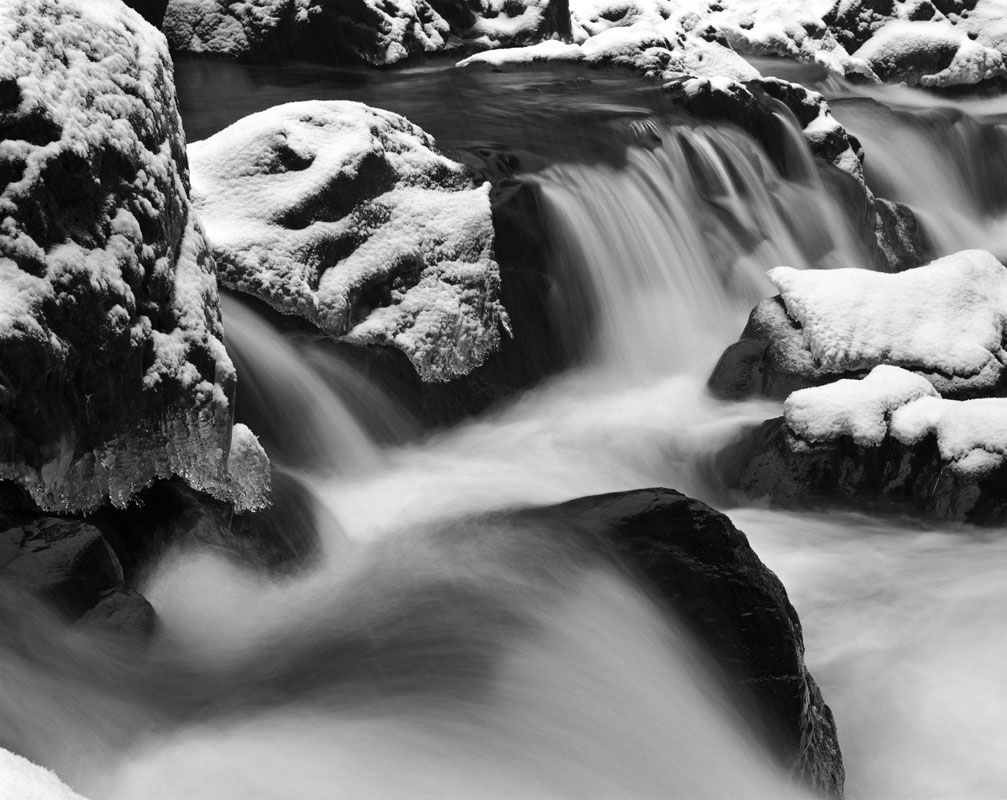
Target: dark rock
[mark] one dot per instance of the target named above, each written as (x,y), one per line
(899,238)
(773,462)
(705,570)
(122,611)
(68,563)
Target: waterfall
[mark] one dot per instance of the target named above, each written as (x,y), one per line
(948,165)
(676,243)
(424,656)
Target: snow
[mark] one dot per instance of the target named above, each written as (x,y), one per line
(859,409)
(901,41)
(947,317)
(20,779)
(316,206)
(970,433)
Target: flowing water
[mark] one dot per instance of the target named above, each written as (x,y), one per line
(420,656)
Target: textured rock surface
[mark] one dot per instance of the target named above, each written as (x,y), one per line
(112,370)
(370,31)
(704,569)
(773,462)
(946,321)
(887,436)
(349,216)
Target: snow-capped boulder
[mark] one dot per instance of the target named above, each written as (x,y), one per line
(350,217)
(946,321)
(886,437)
(112,369)
(704,570)
(370,31)
(936,44)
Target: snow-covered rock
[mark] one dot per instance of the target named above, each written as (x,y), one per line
(349,216)
(373,31)
(887,437)
(962,42)
(946,321)
(112,369)
(23,780)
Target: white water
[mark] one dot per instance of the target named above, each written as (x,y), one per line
(534,678)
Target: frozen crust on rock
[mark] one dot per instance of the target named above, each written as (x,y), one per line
(112,369)
(348,216)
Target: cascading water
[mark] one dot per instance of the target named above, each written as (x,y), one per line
(414,660)
(949,166)
(677,241)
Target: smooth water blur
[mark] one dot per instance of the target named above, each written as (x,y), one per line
(676,242)
(420,656)
(903,628)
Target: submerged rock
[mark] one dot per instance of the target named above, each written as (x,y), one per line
(945,321)
(349,216)
(112,369)
(367,31)
(703,568)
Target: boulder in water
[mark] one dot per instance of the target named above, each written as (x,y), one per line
(703,568)
(112,369)
(887,438)
(349,216)
(944,321)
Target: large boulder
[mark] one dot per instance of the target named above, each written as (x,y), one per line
(357,31)
(946,321)
(112,369)
(704,569)
(350,217)
(887,440)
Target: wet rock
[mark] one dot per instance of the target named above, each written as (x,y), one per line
(122,611)
(703,568)
(350,217)
(112,370)
(357,31)
(71,566)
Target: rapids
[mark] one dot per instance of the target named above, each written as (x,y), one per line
(409,663)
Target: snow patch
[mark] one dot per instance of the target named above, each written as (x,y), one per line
(947,317)
(859,409)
